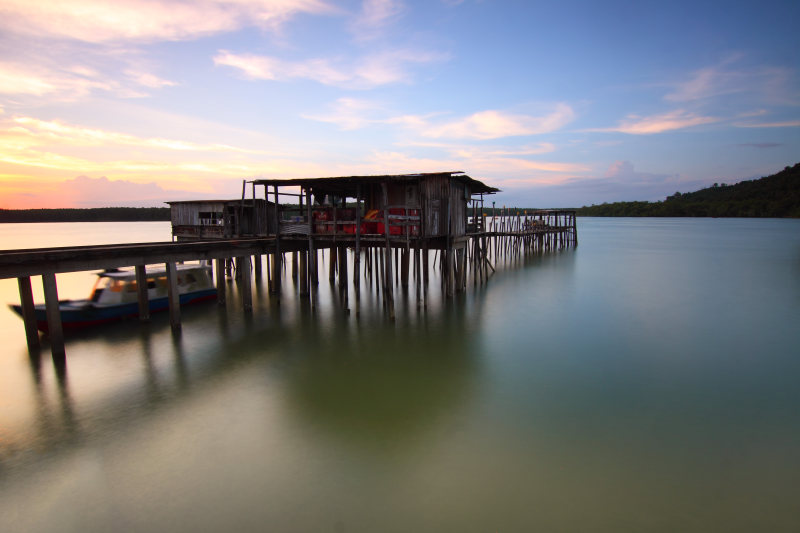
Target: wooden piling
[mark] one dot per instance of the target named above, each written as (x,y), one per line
(303,273)
(257,266)
(388,287)
(245,288)
(173,296)
(54,327)
(28,313)
(220,275)
(141,290)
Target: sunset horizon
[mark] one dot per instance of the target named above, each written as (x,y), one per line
(145,102)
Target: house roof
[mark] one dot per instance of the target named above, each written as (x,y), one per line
(347,184)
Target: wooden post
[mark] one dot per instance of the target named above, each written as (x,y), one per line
(220,275)
(257,266)
(312,252)
(332,256)
(245,288)
(54,327)
(418,274)
(275,262)
(276,266)
(141,289)
(173,296)
(425,267)
(342,255)
(389,289)
(303,273)
(574,230)
(28,313)
(404,266)
(357,258)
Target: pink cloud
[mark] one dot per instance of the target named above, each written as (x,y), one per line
(674,120)
(493,124)
(372,70)
(98,21)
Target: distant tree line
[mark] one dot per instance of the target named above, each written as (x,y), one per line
(776,196)
(100,214)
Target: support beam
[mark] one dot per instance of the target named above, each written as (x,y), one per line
(54,327)
(173,296)
(141,291)
(28,313)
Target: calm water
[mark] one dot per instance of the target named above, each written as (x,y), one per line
(645,381)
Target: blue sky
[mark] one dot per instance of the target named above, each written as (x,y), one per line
(558,104)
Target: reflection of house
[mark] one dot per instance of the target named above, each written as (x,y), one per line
(219,219)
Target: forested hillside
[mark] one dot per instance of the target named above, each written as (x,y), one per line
(772,196)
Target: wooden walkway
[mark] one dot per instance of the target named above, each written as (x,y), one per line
(490,241)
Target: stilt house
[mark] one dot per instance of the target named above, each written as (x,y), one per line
(221,219)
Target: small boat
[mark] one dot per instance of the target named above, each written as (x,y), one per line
(115,296)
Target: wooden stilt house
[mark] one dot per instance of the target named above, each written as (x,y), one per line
(430,206)
(221,219)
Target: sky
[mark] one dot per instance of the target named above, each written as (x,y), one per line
(559,104)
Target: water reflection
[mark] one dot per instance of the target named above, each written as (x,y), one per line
(362,380)
(368,384)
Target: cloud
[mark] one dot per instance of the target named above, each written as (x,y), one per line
(504,168)
(147,79)
(56,132)
(70,82)
(769,83)
(784,124)
(44,150)
(375,16)
(674,120)
(100,21)
(620,182)
(622,173)
(351,114)
(493,124)
(472,151)
(380,68)
(761,145)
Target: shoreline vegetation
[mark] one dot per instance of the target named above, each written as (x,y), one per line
(775,196)
(98,214)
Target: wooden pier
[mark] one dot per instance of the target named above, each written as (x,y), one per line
(396,228)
